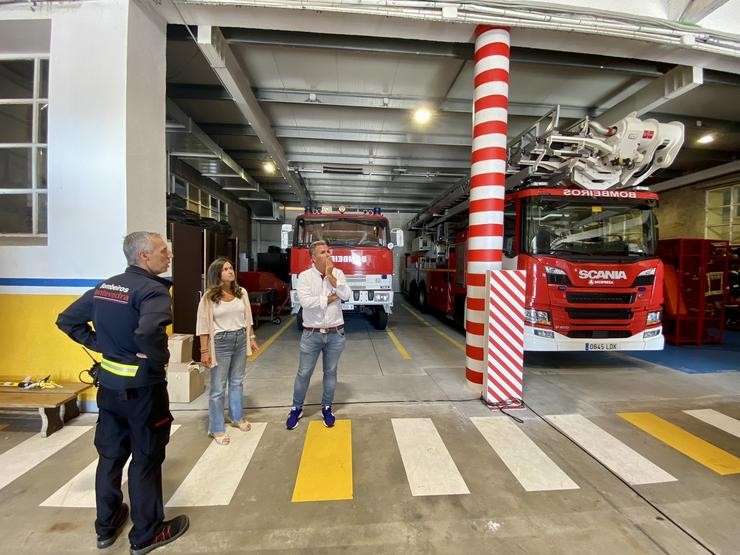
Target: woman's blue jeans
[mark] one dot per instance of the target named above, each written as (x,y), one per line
(313,343)
(231,354)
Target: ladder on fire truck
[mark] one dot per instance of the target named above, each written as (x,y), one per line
(586,154)
(590,155)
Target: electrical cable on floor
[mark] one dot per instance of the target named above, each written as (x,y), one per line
(637,493)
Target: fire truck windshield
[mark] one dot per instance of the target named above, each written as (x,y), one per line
(569,228)
(342,232)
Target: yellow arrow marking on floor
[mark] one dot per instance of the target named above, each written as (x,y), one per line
(440,332)
(271,340)
(325,471)
(404,353)
(692,446)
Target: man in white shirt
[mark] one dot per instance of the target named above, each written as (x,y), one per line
(321,290)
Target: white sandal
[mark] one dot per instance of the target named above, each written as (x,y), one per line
(221,438)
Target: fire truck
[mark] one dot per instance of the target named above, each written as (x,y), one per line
(362,247)
(577,220)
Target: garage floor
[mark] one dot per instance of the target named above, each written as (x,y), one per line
(615,455)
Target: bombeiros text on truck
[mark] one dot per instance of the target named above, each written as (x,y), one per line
(361,245)
(578,221)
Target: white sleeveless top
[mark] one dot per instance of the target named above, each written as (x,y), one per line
(228,316)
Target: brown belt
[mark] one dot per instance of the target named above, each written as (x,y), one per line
(325,330)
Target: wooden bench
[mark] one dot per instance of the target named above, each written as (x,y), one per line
(55,405)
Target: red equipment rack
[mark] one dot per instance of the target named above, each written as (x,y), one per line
(695,289)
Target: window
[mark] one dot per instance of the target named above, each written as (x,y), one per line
(199,201)
(23,148)
(723,214)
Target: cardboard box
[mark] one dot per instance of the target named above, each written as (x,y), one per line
(185,382)
(181,347)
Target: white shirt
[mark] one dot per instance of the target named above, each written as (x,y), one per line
(313,290)
(229,315)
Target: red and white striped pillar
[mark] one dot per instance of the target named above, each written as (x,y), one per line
(487,179)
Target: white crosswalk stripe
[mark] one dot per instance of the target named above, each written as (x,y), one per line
(429,467)
(428,463)
(534,470)
(215,477)
(80,490)
(717,419)
(615,455)
(23,457)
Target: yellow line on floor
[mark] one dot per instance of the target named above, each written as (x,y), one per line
(692,446)
(3,426)
(325,471)
(271,340)
(404,353)
(440,332)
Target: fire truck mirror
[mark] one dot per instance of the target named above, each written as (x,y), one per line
(397,234)
(285,231)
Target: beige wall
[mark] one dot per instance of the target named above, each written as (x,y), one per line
(681,213)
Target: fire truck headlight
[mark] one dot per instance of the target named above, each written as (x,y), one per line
(532,316)
(556,276)
(653,318)
(382,296)
(651,333)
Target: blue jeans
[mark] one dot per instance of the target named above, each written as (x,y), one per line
(313,343)
(231,354)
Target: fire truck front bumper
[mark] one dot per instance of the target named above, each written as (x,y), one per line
(539,339)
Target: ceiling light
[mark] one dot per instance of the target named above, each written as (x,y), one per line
(269,167)
(422,115)
(704,139)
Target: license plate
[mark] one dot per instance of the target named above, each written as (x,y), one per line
(347,306)
(601,347)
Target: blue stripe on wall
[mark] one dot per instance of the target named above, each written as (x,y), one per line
(48,282)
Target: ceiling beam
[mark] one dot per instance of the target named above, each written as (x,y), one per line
(696,10)
(223,62)
(216,152)
(696,177)
(353,135)
(676,82)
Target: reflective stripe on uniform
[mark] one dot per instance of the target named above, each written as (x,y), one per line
(119,369)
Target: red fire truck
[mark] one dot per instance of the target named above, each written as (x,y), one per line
(362,247)
(587,243)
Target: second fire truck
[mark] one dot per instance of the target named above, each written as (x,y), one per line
(577,221)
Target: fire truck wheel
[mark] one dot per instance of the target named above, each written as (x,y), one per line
(423,298)
(299,319)
(414,294)
(380,318)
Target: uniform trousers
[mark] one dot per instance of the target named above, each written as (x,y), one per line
(131,422)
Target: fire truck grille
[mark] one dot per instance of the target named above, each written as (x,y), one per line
(601,298)
(598,334)
(356,282)
(599,313)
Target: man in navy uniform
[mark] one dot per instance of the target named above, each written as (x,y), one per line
(130,313)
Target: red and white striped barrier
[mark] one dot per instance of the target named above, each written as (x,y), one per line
(487,179)
(505,338)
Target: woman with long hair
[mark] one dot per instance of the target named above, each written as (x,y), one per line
(224,328)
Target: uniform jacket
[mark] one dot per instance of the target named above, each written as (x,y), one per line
(130,313)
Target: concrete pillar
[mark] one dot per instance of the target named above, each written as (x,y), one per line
(487,179)
(106,173)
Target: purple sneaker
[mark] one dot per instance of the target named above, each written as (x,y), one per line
(294,416)
(328,416)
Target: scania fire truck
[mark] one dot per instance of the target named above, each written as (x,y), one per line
(576,219)
(361,246)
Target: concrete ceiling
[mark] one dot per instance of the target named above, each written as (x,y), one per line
(337,109)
